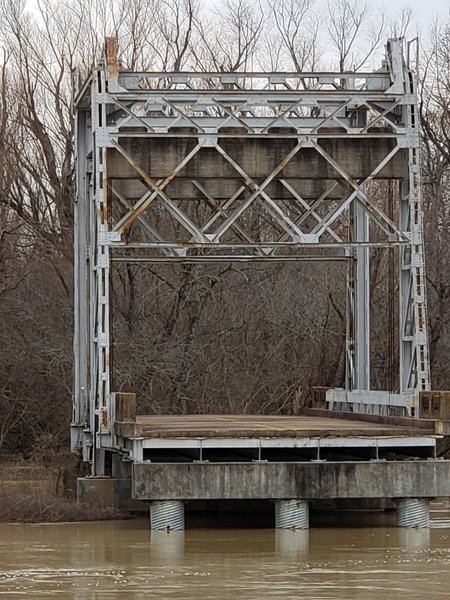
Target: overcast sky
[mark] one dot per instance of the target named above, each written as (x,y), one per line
(424,10)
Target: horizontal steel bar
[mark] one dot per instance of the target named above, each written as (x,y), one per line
(171,443)
(242,92)
(227,75)
(247,134)
(269,245)
(289,443)
(269,107)
(249,97)
(422,442)
(229,258)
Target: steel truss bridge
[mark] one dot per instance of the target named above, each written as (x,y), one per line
(178,167)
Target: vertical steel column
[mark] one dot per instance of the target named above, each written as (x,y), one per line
(358,304)
(81,289)
(350,322)
(362,298)
(406,319)
(414,355)
(100,397)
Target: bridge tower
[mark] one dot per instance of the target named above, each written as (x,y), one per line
(303,148)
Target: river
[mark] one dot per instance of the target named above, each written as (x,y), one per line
(124,560)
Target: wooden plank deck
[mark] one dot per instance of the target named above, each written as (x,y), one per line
(239,426)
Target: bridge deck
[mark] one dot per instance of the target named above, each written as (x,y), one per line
(240,426)
(164,438)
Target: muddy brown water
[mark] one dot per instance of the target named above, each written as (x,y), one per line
(112,560)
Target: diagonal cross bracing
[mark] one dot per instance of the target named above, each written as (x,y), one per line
(311,209)
(359,192)
(157,187)
(226,133)
(258,190)
(221,210)
(149,228)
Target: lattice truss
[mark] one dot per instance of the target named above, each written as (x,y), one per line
(203,167)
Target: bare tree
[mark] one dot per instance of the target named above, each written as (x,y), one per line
(297,27)
(228,40)
(351,22)
(136,33)
(435,119)
(401,24)
(190,339)
(170,32)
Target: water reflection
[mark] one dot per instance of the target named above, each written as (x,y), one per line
(167,547)
(291,545)
(414,539)
(124,560)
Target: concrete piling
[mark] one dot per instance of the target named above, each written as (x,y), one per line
(291,514)
(167,515)
(413,512)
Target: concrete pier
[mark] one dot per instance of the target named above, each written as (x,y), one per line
(291,463)
(291,485)
(293,480)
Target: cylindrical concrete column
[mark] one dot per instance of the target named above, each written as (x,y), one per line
(413,512)
(291,514)
(167,515)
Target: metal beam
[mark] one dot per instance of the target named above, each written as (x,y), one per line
(169,135)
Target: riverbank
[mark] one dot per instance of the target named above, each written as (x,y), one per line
(34,492)
(43,507)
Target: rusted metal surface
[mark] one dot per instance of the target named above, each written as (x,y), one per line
(111,52)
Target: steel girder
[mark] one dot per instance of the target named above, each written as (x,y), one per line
(209,167)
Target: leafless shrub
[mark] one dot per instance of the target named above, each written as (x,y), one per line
(47,508)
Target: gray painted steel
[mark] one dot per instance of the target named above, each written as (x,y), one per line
(256,443)
(301,148)
(314,480)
